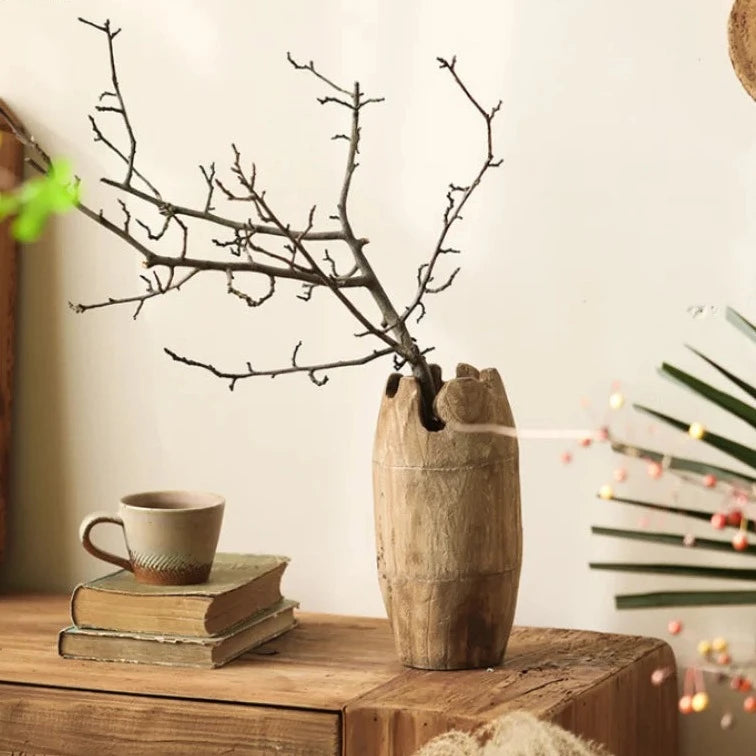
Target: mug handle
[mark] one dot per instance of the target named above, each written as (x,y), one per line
(86,526)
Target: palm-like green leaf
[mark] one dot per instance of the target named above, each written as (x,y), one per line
(696,514)
(749,329)
(672,539)
(684,464)
(735,449)
(683,570)
(684,598)
(750,390)
(744,454)
(720,398)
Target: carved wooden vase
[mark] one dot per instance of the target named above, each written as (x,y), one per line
(447,521)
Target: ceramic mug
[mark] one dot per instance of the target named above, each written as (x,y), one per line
(171,536)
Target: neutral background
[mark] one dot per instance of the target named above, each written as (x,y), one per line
(625,198)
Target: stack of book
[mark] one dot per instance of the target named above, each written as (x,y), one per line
(240,607)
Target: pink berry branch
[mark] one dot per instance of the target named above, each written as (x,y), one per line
(266,246)
(738,487)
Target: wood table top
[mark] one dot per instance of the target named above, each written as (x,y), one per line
(329,662)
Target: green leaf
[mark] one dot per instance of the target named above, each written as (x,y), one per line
(31,190)
(684,464)
(672,539)
(60,172)
(8,205)
(749,329)
(38,198)
(29,224)
(726,401)
(684,598)
(695,514)
(683,570)
(740,452)
(734,378)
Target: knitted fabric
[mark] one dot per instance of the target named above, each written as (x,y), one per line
(515,734)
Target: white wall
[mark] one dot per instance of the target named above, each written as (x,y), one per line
(626,196)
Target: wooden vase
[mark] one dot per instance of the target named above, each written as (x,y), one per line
(447,521)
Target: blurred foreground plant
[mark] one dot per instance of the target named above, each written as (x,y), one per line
(35,200)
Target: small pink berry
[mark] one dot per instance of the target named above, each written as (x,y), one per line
(734,518)
(710,480)
(724,658)
(745,685)
(735,682)
(686,705)
(620,475)
(654,470)
(658,676)
(749,704)
(674,627)
(718,521)
(602,434)
(566,458)
(740,541)
(585,442)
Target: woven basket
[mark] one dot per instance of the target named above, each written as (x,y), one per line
(742,34)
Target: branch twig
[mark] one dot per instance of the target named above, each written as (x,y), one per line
(294,368)
(139,299)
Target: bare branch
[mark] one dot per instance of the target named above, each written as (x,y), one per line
(456,198)
(100,137)
(139,299)
(451,66)
(334,286)
(294,354)
(311,68)
(400,362)
(155,236)
(327,257)
(250,301)
(252,373)
(121,108)
(306,294)
(327,99)
(221,221)
(151,259)
(127,214)
(209,175)
(296,261)
(449,282)
(334,272)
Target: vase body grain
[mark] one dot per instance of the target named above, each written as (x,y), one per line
(448,524)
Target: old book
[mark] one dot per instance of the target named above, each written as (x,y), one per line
(178,650)
(240,585)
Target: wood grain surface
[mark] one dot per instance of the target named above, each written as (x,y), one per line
(344,668)
(594,684)
(447,522)
(322,664)
(80,723)
(11,168)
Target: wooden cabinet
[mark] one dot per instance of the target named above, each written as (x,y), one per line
(331,686)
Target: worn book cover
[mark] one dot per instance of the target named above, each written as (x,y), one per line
(240,585)
(178,650)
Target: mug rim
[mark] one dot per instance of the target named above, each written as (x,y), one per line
(216,500)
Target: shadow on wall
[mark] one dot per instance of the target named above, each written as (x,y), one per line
(38,518)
